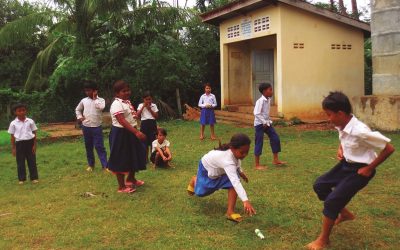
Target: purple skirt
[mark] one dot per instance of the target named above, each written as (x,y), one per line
(207,117)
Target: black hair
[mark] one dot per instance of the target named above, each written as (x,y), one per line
(263,86)
(162,131)
(146,94)
(237,141)
(337,101)
(89,84)
(18,105)
(119,85)
(207,84)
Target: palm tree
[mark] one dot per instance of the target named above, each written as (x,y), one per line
(342,9)
(354,10)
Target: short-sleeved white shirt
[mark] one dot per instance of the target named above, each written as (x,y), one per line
(22,130)
(146,114)
(359,142)
(261,111)
(218,163)
(124,107)
(155,144)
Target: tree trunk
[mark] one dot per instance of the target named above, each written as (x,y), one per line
(178,102)
(342,9)
(332,5)
(354,10)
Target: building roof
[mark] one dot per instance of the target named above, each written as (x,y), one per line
(242,7)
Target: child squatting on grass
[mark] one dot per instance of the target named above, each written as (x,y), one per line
(356,167)
(23,142)
(161,155)
(221,169)
(127,152)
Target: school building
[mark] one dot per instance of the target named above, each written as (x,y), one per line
(302,50)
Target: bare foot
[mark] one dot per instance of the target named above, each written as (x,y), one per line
(260,167)
(317,245)
(201,137)
(213,138)
(279,162)
(344,217)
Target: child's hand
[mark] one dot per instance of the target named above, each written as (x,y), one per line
(248,208)
(339,154)
(244,177)
(34,149)
(94,94)
(14,152)
(365,171)
(82,119)
(140,136)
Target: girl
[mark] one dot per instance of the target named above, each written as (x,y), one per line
(148,113)
(127,154)
(207,103)
(161,155)
(220,169)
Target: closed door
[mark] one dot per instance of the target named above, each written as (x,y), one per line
(262,71)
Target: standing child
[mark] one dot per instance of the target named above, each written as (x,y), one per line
(127,153)
(148,113)
(221,169)
(356,167)
(263,124)
(207,103)
(89,113)
(23,142)
(161,155)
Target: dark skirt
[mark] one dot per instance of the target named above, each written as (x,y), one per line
(207,117)
(206,186)
(149,128)
(127,152)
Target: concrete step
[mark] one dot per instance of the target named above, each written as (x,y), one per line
(237,118)
(248,109)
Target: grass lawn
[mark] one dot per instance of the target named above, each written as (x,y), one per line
(160,215)
(5,139)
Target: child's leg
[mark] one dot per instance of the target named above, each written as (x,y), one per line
(275,144)
(258,141)
(323,239)
(20,157)
(232,197)
(88,138)
(121,181)
(212,132)
(99,145)
(31,159)
(344,215)
(202,132)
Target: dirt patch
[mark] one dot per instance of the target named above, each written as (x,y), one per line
(315,126)
(56,130)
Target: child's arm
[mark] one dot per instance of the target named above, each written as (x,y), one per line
(201,102)
(160,152)
(153,113)
(244,177)
(34,143)
(78,111)
(169,153)
(121,119)
(13,149)
(214,100)
(383,155)
(339,154)
(99,103)
(139,110)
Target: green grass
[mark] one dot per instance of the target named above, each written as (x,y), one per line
(6,141)
(160,215)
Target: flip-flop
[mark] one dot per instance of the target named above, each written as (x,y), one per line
(235,217)
(190,190)
(138,183)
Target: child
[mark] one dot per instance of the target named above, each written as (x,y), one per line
(161,155)
(356,168)
(220,169)
(263,124)
(23,142)
(91,119)
(148,113)
(207,103)
(127,153)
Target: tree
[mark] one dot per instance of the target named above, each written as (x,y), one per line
(354,9)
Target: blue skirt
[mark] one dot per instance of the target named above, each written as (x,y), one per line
(207,117)
(206,186)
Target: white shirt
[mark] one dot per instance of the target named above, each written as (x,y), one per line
(92,111)
(22,130)
(207,100)
(146,114)
(155,144)
(125,107)
(261,111)
(359,142)
(218,163)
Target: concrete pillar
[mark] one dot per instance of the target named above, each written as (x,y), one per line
(385,36)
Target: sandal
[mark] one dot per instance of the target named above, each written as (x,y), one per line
(137,183)
(235,217)
(127,190)
(190,190)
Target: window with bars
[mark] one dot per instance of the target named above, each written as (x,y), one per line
(233,31)
(336,46)
(261,24)
(298,45)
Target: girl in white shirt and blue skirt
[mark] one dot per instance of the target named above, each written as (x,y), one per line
(207,103)
(221,169)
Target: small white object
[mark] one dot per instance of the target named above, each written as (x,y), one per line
(259,234)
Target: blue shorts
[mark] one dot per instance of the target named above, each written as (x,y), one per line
(206,186)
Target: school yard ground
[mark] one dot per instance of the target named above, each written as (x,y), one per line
(74,209)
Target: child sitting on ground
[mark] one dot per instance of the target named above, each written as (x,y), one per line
(356,167)
(161,155)
(221,169)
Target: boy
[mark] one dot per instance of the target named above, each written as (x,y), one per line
(161,155)
(263,124)
(91,119)
(356,168)
(23,142)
